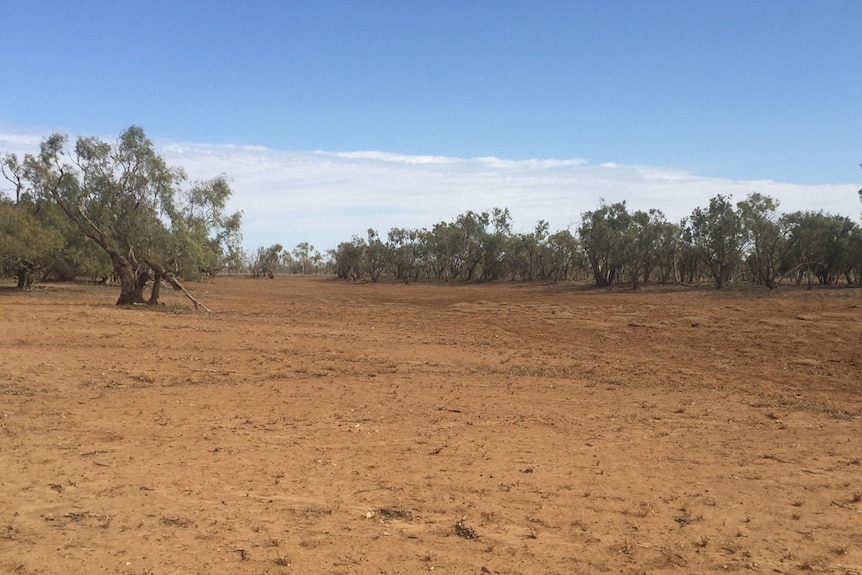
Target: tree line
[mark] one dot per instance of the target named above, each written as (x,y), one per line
(117,210)
(747,241)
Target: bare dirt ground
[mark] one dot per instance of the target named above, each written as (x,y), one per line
(312,426)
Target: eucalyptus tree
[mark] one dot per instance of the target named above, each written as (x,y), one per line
(303,255)
(689,268)
(717,235)
(603,236)
(455,250)
(265,261)
(468,235)
(348,259)
(77,256)
(669,251)
(643,239)
(124,197)
(204,238)
(766,235)
(495,243)
(560,255)
(853,270)
(407,252)
(529,253)
(822,245)
(53,247)
(25,244)
(376,255)
(13,171)
(441,257)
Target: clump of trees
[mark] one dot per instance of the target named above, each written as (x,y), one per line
(747,241)
(268,261)
(114,208)
(474,247)
(26,245)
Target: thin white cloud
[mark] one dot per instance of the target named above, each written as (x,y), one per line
(396,158)
(20,143)
(327,197)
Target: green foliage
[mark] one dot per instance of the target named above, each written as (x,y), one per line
(349,259)
(69,254)
(474,246)
(643,240)
(407,253)
(306,258)
(626,248)
(561,256)
(204,239)
(527,253)
(822,246)
(25,244)
(671,252)
(717,234)
(766,237)
(265,261)
(376,256)
(603,233)
(124,198)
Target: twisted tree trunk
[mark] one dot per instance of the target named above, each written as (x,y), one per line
(129,293)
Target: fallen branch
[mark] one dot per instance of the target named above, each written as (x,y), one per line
(169,277)
(175,283)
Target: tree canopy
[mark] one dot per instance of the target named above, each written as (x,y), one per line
(141,213)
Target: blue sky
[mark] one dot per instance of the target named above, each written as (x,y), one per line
(726,95)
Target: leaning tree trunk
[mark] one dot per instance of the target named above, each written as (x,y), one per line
(123,269)
(129,292)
